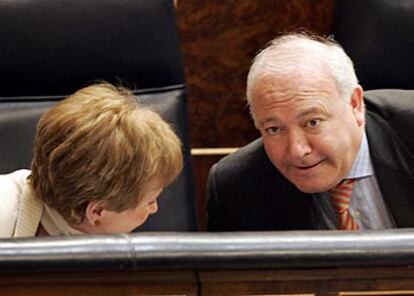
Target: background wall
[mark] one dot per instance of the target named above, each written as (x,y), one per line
(219,39)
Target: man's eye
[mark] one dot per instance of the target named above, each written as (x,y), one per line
(313,122)
(272,130)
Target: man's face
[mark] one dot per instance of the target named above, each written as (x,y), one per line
(309,132)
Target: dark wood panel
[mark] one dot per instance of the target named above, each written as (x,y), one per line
(93,290)
(104,283)
(219,39)
(203,160)
(377,293)
(334,281)
(341,281)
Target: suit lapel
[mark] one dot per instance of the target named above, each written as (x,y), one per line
(393,164)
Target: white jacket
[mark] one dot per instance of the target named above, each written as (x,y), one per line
(20,213)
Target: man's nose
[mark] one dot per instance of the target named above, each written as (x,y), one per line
(299,145)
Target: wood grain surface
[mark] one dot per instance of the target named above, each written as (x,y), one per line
(219,39)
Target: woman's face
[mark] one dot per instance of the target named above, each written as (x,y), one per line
(126,221)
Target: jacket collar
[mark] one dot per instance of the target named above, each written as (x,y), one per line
(393,165)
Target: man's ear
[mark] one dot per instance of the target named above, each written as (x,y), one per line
(357,104)
(94,212)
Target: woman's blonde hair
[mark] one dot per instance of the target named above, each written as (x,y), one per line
(99,144)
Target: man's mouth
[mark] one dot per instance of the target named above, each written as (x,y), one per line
(308,167)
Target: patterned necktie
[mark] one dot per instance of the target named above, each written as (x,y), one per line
(340,198)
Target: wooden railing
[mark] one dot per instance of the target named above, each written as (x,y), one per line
(241,263)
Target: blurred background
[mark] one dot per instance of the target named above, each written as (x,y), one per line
(219,39)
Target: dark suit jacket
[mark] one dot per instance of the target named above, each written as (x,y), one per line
(246,192)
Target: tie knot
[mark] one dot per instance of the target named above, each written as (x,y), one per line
(341,195)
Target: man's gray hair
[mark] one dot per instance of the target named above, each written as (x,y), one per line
(295,51)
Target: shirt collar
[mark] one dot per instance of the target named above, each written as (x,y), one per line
(29,214)
(54,224)
(362,166)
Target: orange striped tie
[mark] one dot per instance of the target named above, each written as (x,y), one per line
(341,197)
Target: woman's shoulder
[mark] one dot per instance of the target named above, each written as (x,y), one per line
(11,188)
(12,182)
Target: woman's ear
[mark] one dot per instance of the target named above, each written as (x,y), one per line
(357,105)
(94,212)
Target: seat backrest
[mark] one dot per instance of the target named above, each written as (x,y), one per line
(378,36)
(49,49)
(53,47)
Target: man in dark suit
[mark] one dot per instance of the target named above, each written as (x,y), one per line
(318,132)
